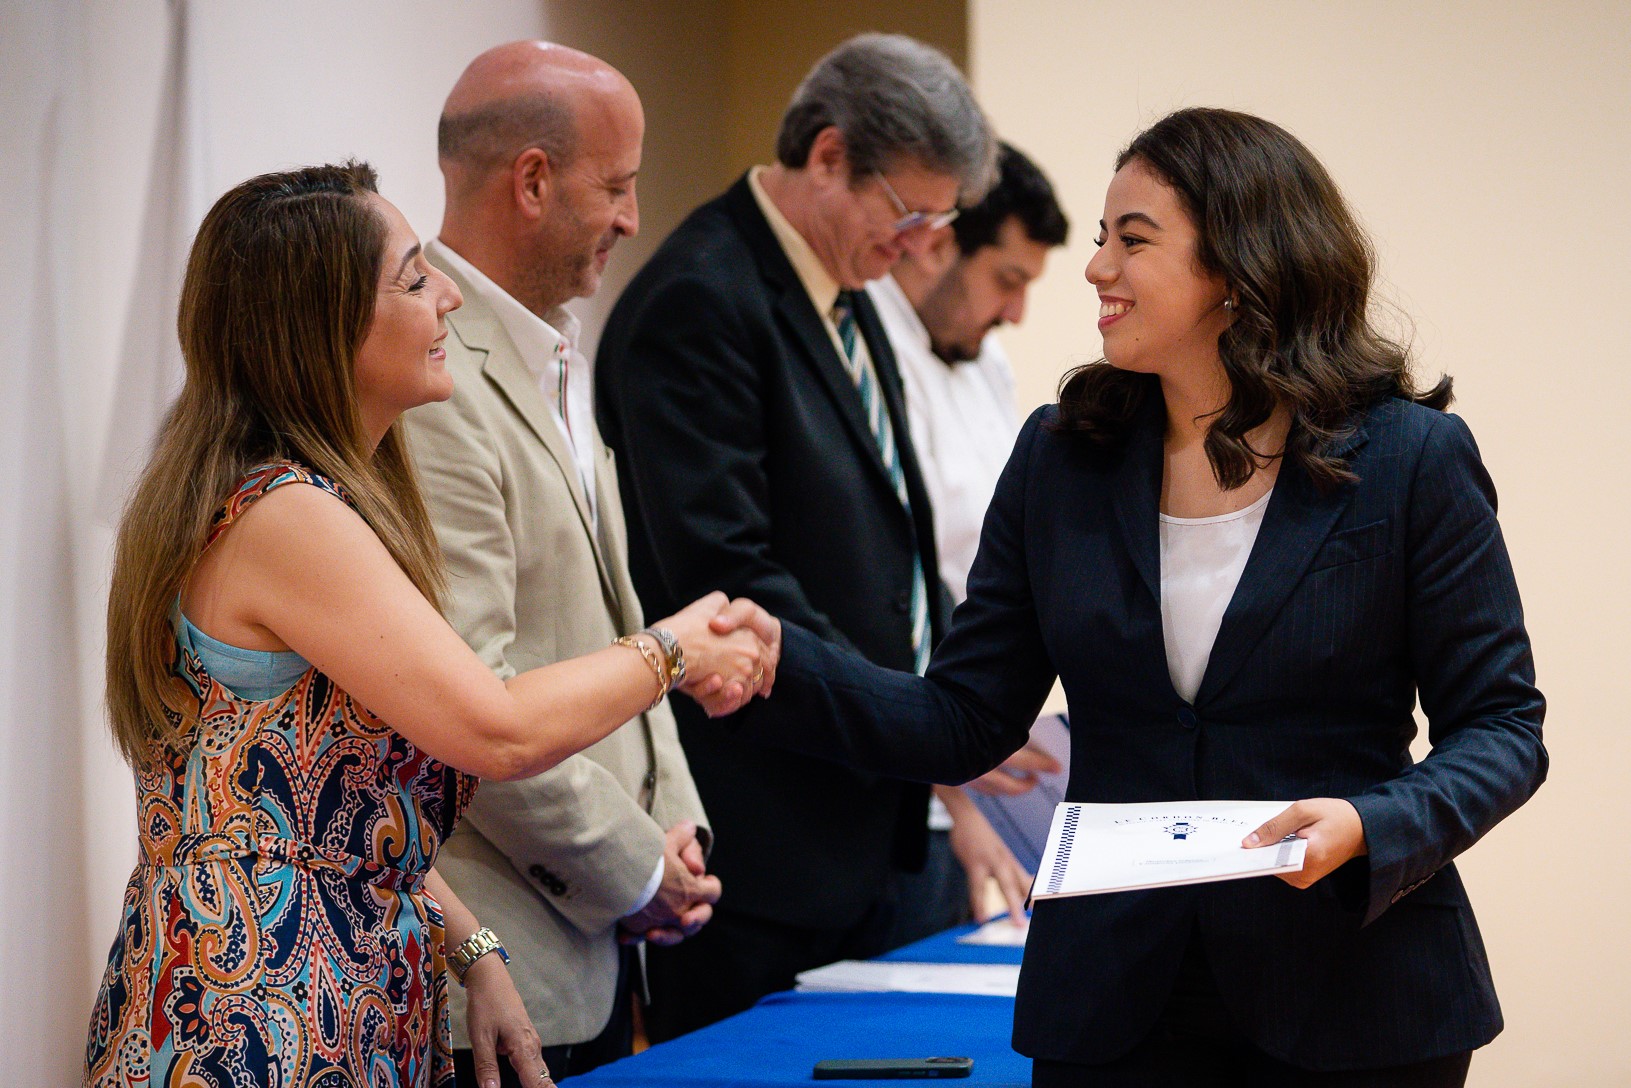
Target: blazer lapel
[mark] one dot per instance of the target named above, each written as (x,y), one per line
(506,371)
(480,330)
(1135,487)
(612,548)
(1298,519)
(794,308)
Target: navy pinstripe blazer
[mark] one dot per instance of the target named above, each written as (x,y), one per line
(1353,603)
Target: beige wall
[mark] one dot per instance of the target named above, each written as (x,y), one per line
(674,56)
(771,44)
(1487,148)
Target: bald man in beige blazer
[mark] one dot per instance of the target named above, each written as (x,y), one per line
(538,147)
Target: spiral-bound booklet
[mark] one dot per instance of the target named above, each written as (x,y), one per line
(1117,848)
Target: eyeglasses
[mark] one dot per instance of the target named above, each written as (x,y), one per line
(910,220)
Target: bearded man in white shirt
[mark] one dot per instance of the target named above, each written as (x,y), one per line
(940,306)
(539,147)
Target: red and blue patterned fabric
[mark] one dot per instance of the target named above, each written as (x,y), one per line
(276,930)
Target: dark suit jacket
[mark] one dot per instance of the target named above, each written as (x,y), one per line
(747,465)
(1352,603)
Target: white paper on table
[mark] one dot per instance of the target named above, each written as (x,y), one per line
(1000,932)
(1112,848)
(880,976)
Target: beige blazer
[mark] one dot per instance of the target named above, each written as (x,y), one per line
(550,863)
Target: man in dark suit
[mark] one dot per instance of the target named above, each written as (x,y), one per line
(754,403)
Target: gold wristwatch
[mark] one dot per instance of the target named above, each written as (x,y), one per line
(477,945)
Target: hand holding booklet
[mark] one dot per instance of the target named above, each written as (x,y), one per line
(1114,848)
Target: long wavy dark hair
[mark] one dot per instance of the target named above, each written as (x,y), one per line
(1275,227)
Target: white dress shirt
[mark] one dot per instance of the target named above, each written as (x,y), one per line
(549,349)
(963,425)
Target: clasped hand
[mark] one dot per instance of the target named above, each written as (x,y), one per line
(684,901)
(731,651)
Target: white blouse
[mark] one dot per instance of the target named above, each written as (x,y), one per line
(1201,561)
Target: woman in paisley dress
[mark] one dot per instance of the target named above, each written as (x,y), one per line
(304,727)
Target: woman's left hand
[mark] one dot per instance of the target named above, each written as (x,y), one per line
(499,1026)
(1333,830)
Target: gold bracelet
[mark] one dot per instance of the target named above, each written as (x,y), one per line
(672,652)
(650,654)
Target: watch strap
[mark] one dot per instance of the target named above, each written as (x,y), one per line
(477,945)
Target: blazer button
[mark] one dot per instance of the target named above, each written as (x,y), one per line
(1187,718)
(552,883)
(903,602)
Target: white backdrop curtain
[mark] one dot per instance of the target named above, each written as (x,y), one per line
(120,124)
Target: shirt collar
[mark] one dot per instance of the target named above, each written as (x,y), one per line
(535,337)
(887,293)
(821,287)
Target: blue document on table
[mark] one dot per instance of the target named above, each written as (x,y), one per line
(1023,820)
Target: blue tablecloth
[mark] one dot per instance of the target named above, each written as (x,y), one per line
(943,948)
(778,1041)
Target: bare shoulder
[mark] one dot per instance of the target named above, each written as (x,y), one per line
(297,516)
(291,540)
(300,534)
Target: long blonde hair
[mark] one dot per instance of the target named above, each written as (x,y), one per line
(278,296)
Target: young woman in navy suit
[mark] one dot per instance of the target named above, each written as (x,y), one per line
(1247,542)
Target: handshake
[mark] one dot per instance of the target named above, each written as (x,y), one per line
(731,650)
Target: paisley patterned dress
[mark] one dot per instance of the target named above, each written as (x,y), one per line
(276,931)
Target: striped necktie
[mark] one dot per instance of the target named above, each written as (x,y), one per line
(877,417)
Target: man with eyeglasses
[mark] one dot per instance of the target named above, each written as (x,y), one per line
(762,444)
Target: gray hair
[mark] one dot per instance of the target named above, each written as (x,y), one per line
(892,97)
(494,133)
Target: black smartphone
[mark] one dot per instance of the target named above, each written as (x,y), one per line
(892,1068)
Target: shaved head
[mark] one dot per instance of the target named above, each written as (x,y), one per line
(539,146)
(517,96)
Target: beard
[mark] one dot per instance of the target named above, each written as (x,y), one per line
(956,351)
(553,278)
(564,264)
(578,276)
(950,338)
